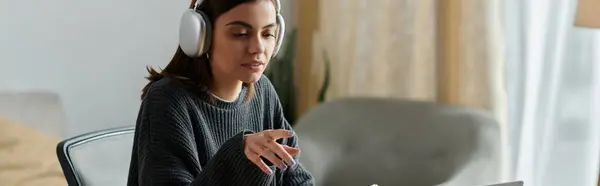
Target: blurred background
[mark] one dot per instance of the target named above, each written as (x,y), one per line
(71,67)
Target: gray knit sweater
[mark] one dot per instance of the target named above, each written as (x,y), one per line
(184,138)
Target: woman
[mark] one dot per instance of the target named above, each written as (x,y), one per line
(213,118)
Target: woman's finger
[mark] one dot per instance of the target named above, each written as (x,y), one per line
(278,134)
(254,153)
(291,150)
(281,152)
(261,164)
(269,155)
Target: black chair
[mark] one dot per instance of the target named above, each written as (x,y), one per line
(97,158)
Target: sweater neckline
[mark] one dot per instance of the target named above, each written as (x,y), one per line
(208,98)
(205,96)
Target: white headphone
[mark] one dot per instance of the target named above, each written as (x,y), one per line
(195,31)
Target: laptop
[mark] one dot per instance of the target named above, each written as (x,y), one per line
(514,183)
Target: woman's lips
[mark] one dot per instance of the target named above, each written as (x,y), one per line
(254,66)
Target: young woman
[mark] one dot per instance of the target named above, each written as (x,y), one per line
(210,117)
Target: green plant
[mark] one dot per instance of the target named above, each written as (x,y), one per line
(281,74)
(325,85)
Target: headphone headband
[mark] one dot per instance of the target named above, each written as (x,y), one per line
(277,6)
(276,2)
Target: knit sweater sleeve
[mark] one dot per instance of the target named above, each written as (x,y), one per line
(167,153)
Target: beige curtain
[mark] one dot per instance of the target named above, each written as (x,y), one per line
(448,51)
(397,48)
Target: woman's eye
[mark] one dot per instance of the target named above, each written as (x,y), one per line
(268,35)
(240,35)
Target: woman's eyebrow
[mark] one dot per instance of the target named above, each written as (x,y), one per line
(247,25)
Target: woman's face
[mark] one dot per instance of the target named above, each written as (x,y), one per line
(243,41)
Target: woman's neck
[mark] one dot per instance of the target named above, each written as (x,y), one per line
(226,89)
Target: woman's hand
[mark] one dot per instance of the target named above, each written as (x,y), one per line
(263,144)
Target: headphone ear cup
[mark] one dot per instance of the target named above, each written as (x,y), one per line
(280,35)
(194,33)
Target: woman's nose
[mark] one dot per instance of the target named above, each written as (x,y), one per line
(256,45)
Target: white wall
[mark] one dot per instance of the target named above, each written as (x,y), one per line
(92,53)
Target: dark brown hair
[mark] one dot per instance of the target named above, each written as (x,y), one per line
(195,73)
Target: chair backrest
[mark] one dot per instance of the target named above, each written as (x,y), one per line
(364,141)
(99,158)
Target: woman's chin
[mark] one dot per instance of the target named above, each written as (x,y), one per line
(251,78)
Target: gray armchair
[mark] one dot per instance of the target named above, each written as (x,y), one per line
(358,141)
(97,159)
(364,141)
